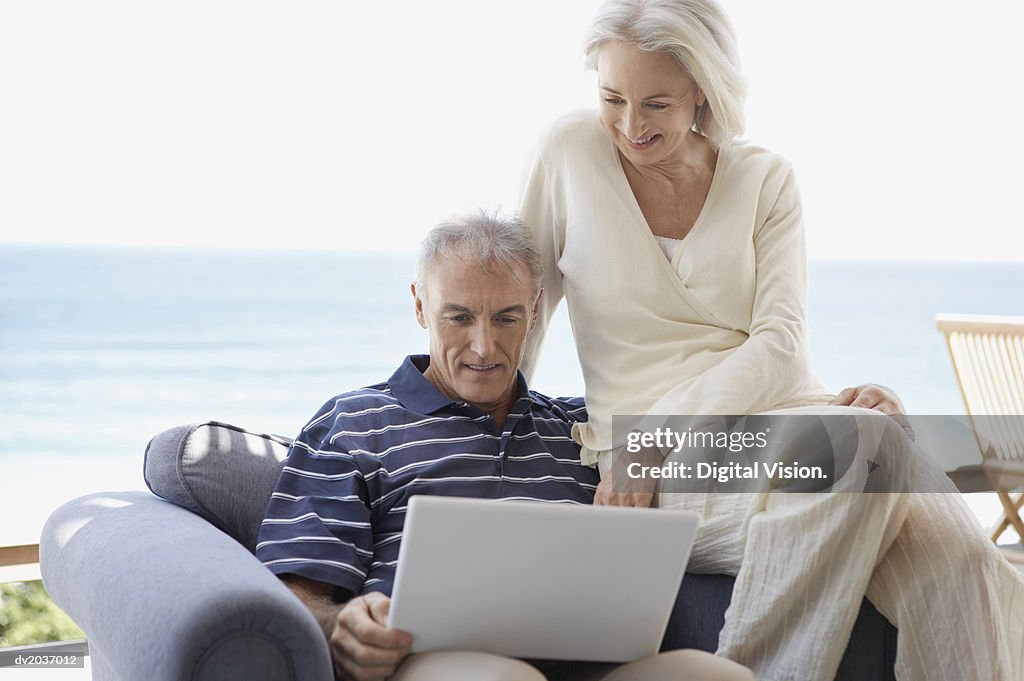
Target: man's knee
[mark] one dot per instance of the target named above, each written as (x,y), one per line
(704,666)
(693,665)
(465,666)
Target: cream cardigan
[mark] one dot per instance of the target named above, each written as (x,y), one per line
(718,330)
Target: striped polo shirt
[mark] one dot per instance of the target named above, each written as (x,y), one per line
(338,511)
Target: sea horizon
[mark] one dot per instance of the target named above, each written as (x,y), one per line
(101,347)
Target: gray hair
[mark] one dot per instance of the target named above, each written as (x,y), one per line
(487,238)
(698,34)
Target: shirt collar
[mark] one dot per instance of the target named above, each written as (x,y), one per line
(417,393)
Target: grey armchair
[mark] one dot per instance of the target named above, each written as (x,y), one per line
(166,587)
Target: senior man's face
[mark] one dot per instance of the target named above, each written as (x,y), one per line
(478,318)
(647,103)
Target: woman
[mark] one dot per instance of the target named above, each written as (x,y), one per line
(715,323)
(680,252)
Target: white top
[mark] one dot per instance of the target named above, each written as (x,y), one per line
(668,245)
(718,329)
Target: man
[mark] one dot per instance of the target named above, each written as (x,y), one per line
(457,422)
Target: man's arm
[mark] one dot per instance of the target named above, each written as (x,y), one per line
(362,647)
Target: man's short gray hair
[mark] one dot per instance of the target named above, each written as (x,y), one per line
(485,237)
(698,34)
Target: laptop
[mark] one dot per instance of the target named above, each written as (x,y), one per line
(539,580)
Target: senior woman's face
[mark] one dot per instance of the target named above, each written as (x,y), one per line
(647,103)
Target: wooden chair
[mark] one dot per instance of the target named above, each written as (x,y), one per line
(988,358)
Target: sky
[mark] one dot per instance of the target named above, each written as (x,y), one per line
(357,125)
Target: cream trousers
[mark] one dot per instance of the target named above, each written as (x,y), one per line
(804,561)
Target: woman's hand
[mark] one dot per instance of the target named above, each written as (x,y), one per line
(877,397)
(606,497)
(618,488)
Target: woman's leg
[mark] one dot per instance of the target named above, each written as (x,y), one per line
(808,557)
(464,666)
(920,557)
(957,603)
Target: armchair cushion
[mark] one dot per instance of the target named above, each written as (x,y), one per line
(202,467)
(163,595)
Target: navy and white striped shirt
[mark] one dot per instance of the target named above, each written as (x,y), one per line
(339,508)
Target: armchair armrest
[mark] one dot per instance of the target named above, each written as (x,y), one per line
(162,594)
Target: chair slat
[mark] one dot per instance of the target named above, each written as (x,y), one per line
(988,360)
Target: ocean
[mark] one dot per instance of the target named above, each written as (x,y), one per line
(103,347)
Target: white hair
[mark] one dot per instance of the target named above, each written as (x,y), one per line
(698,34)
(486,238)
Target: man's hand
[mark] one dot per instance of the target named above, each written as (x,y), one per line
(362,646)
(877,397)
